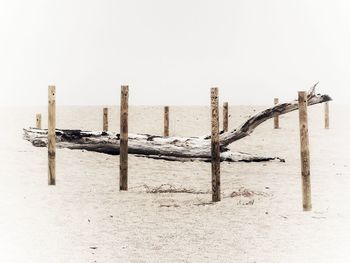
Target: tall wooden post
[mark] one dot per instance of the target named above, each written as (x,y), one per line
(304,151)
(38,121)
(123,176)
(166,121)
(215,145)
(105,119)
(326,115)
(51,136)
(225,117)
(276,119)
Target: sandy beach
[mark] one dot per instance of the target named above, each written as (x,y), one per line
(84,218)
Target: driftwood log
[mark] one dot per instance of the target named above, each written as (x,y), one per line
(170,148)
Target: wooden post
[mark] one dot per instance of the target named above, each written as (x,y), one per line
(51,136)
(276,119)
(215,145)
(38,121)
(326,115)
(123,176)
(304,151)
(105,119)
(166,121)
(225,117)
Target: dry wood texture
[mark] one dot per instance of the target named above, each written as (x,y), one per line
(38,121)
(225,117)
(326,115)
(304,151)
(105,119)
(123,177)
(276,122)
(166,121)
(215,145)
(51,138)
(170,148)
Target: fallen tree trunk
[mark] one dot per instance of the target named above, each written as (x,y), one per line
(169,148)
(141,145)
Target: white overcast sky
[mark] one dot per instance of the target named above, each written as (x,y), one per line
(172,52)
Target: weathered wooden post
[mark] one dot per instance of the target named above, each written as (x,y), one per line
(304,151)
(123,176)
(38,121)
(166,121)
(215,146)
(225,117)
(51,136)
(105,119)
(326,115)
(276,119)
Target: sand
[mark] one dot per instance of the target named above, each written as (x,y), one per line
(84,218)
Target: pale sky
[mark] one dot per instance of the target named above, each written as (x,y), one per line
(172,52)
